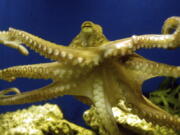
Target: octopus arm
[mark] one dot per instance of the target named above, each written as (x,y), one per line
(50,91)
(36,71)
(170,37)
(6,91)
(81,56)
(145,109)
(171,24)
(128,45)
(4,39)
(149,69)
(53,90)
(53,70)
(140,105)
(92,91)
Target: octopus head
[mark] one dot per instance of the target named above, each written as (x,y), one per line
(91,35)
(89,27)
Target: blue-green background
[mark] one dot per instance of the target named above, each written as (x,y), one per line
(59,21)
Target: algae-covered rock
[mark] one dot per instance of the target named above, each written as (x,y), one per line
(39,120)
(138,125)
(48,120)
(131,122)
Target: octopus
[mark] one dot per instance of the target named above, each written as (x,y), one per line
(97,71)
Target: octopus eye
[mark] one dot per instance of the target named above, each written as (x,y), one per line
(99,28)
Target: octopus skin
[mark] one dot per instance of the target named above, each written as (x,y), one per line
(100,72)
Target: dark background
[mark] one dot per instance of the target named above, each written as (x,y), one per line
(59,21)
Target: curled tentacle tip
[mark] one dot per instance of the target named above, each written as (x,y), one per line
(16,90)
(177,36)
(23,50)
(171,25)
(6,91)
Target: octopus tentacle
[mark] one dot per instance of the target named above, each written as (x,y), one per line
(170,25)
(117,48)
(169,40)
(129,45)
(104,109)
(48,92)
(142,107)
(145,109)
(56,52)
(4,40)
(156,41)
(6,91)
(54,71)
(152,69)
(152,113)
(28,71)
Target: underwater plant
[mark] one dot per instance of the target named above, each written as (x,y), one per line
(97,71)
(167,96)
